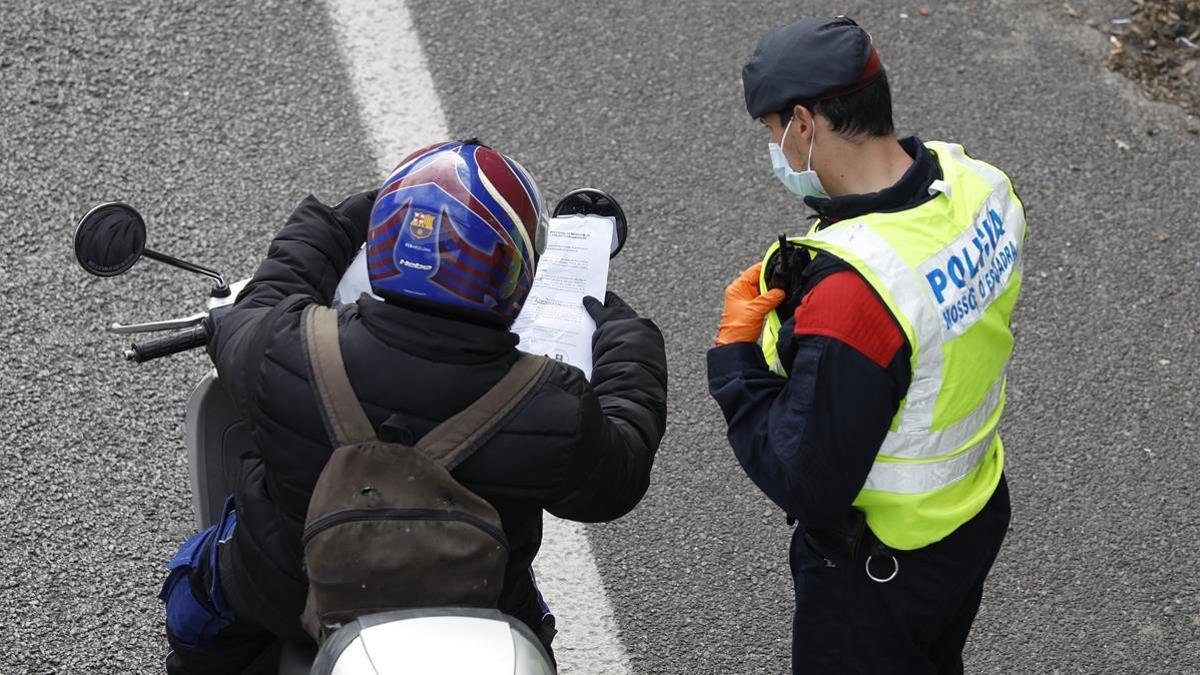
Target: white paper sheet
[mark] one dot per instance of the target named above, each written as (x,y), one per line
(355,281)
(553,321)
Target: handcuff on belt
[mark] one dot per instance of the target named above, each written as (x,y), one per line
(879,549)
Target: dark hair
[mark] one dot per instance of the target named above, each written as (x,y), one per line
(867,111)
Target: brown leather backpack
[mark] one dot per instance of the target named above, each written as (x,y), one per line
(388,526)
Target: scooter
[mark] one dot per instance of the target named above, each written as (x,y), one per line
(109,240)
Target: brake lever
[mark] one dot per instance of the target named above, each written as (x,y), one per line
(154,326)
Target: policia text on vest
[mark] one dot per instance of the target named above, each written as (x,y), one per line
(979,263)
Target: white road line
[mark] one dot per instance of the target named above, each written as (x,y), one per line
(395,93)
(401,110)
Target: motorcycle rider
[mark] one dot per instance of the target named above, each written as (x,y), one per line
(453,238)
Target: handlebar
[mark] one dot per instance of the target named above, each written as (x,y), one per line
(194,337)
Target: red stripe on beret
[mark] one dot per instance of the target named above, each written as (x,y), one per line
(869,74)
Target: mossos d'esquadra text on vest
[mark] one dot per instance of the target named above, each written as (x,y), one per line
(967,275)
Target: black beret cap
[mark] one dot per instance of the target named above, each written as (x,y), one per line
(813,59)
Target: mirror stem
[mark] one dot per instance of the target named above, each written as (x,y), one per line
(219,291)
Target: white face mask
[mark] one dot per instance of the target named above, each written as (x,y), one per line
(804,183)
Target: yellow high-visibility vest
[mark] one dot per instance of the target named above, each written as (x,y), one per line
(949,270)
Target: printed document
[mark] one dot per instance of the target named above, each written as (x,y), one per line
(553,321)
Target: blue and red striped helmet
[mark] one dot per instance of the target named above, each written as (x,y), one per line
(457,226)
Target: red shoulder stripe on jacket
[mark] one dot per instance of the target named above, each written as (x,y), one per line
(843,306)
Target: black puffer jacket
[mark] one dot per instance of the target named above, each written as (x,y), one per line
(582,451)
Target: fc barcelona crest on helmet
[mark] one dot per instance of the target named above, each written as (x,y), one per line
(421,225)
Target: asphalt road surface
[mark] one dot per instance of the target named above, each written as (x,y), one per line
(216,118)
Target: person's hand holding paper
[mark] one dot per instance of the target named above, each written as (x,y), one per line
(612,309)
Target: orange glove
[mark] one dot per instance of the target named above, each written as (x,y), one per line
(746,309)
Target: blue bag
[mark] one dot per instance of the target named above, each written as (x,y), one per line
(194,621)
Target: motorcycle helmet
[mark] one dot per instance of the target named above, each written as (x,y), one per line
(457,227)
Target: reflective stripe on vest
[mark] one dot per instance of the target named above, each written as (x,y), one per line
(914,478)
(940,267)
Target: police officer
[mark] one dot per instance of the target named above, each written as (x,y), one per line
(870,412)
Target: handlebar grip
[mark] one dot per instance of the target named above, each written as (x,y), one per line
(196,336)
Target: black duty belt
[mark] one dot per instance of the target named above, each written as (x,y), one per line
(855,541)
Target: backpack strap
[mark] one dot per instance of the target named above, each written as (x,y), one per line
(344,418)
(456,439)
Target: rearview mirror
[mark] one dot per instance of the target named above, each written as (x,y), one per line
(593,202)
(109,239)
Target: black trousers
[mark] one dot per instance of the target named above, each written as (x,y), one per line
(240,648)
(916,623)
